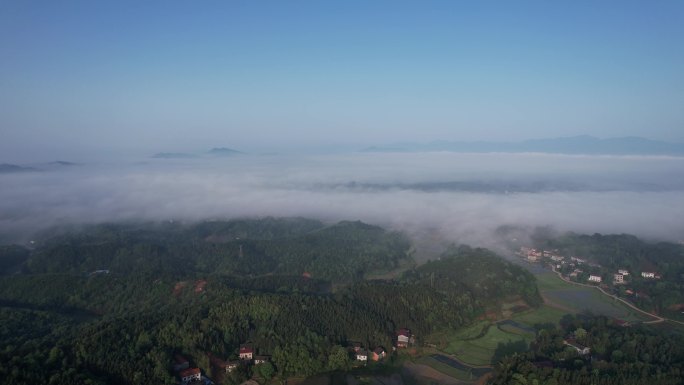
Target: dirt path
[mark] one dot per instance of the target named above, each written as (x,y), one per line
(656,320)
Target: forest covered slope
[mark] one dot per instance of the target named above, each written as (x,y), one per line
(114,303)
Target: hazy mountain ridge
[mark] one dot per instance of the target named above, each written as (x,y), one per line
(6,168)
(576,145)
(223,151)
(214,152)
(173,155)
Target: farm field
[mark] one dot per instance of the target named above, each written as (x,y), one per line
(478,343)
(481,350)
(583,299)
(482,342)
(543,315)
(460,374)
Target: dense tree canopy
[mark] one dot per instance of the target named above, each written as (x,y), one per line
(341,253)
(619,356)
(176,289)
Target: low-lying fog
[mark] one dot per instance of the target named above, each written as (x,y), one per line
(458,196)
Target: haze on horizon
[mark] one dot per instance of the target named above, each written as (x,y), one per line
(83,79)
(108,84)
(452,197)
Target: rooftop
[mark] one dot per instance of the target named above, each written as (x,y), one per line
(190,372)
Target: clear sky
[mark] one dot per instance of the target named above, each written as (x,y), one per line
(254,75)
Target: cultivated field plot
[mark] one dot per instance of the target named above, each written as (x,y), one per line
(582,299)
(461,373)
(542,315)
(480,343)
(514,327)
(480,351)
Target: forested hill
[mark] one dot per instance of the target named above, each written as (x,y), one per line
(478,271)
(617,356)
(620,251)
(65,327)
(343,252)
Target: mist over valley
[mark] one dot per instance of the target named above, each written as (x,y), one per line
(461,197)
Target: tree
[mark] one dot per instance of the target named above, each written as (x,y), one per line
(580,333)
(266,370)
(338,358)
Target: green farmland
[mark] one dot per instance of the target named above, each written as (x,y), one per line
(460,374)
(543,315)
(582,299)
(483,342)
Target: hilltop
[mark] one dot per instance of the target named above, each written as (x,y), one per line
(223,151)
(6,168)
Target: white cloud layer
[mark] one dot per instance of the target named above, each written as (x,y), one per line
(462,197)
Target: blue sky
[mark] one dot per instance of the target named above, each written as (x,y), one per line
(266,75)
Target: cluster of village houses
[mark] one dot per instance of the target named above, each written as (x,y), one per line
(187,375)
(557,261)
(404,339)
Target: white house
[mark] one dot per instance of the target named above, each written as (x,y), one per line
(623,272)
(647,274)
(246,352)
(189,375)
(403,337)
(362,355)
(594,278)
(618,278)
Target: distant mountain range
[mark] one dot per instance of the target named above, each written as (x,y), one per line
(584,144)
(173,155)
(62,163)
(7,168)
(217,151)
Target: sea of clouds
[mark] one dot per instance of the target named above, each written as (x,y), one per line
(460,197)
